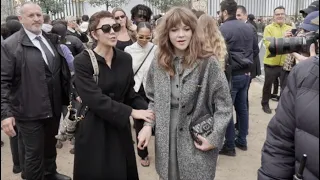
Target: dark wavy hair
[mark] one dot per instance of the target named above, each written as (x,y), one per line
(231,6)
(61,30)
(9,28)
(135,10)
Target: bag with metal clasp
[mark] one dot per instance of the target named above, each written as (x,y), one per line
(74,115)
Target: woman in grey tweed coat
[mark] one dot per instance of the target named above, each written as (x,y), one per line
(171,87)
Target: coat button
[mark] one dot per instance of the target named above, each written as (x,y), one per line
(180,129)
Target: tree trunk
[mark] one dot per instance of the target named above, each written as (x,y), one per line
(107,5)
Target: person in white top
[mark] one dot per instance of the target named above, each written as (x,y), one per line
(142,52)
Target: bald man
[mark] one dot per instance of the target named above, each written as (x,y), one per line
(35,83)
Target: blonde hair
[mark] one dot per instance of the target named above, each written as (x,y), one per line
(131,32)
(171,19)
(212,38)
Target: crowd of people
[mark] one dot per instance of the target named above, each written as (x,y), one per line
(177,76)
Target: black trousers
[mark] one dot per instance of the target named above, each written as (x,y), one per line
(138,124)
(276,86)
(39,139)
(272,73)
(17,149)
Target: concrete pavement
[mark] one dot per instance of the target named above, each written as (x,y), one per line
(242,167)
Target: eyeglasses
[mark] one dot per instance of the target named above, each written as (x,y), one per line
(107,28)
(148,38)
(118,17)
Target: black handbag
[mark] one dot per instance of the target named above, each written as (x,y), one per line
(76,114)
(204,125)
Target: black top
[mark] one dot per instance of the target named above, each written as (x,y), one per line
(82,36)
(123,44)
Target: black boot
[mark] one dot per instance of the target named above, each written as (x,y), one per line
(16,169)
(266,109)
(227,151)
(57,176)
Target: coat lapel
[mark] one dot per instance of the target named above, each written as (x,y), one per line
(25,41)
(189,70)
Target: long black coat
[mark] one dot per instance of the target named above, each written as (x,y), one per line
(104,148)
(294,130)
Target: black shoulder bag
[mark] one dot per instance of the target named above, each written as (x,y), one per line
(74,115)
(204,125)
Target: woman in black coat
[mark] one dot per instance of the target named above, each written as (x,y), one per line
(104,148)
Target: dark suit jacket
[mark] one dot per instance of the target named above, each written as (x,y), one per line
(256,67)
(29,90)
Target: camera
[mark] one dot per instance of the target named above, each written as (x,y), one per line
(301,44)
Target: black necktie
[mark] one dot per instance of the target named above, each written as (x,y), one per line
(49,55)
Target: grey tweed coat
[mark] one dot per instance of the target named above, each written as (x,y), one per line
(193,163)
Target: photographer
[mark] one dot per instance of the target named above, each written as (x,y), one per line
(306,28)
(294,130)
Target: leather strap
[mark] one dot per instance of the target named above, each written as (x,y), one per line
(94,65)
(143,60)
(201,76)
(95,77)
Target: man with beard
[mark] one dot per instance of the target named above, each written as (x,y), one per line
(35,82)
(240,42)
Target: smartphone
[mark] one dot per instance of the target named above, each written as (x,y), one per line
(294,31)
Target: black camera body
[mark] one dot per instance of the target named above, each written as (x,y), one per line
(301,44)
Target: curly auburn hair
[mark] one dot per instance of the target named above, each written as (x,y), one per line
(165,55)
(213,39)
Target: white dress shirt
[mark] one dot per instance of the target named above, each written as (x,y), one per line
(36,43)
(138,54)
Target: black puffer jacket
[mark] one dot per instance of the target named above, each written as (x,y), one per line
(294,130)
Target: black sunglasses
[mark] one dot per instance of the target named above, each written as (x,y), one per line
(107,28)
(148,38)
(118,17)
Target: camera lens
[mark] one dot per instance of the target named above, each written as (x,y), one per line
(279,46)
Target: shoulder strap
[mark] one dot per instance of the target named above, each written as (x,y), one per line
(201,76)
(94,65)
(143,60)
